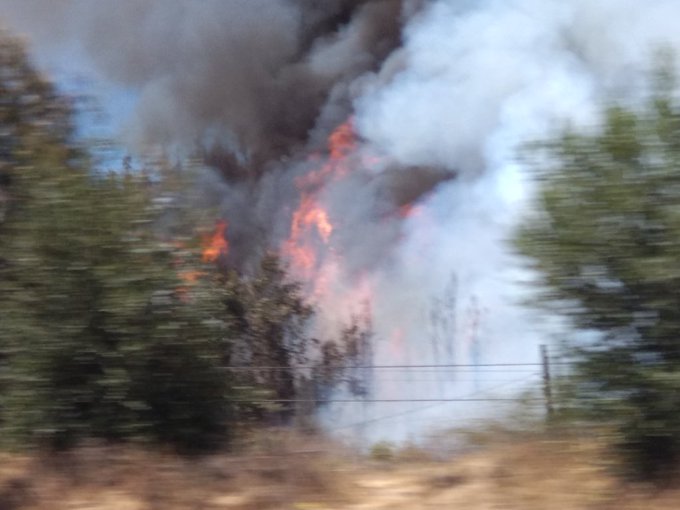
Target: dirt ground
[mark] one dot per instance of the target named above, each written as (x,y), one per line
(303,474)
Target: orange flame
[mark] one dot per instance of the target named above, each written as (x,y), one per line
(342,141)
(311,220)
(310,215)
(216,245)
(307,218)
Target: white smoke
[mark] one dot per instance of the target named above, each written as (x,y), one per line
(474,81)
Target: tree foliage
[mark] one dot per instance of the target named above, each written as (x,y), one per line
(606,245)
(267,319)
(99,334)
(111,325)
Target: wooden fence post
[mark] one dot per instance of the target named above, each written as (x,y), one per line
(547,389)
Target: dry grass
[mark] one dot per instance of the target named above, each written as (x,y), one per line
(280,470)
(274,472)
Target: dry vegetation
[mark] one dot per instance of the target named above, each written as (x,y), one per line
(284,471)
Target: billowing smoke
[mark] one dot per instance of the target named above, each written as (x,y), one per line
(406,217)
(244,78)
(475,81)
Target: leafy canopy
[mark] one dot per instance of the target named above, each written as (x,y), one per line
(96,337)
(606,245)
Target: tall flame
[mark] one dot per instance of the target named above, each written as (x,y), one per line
(216,245)
(311,225)
(309,249)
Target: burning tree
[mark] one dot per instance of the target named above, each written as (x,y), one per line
(115,325)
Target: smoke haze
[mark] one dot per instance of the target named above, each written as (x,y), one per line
(243,77)
(442,94)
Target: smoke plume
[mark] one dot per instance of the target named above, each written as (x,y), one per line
(407,218)
(244,78)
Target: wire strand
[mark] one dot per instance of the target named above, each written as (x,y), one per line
(387,367)
(425,408)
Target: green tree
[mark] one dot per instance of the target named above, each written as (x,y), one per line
(606,244)
(99,333)
(32,114)
(111,326)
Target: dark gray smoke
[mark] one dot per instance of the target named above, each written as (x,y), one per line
(443,92)
(250,86)
(246,80)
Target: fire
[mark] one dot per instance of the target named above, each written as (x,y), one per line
(310,216)
(342,141)
(216,245)
(343,293)
(311,224)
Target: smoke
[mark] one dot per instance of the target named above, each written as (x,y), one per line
(442,95)
(243,78)
(475,81)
